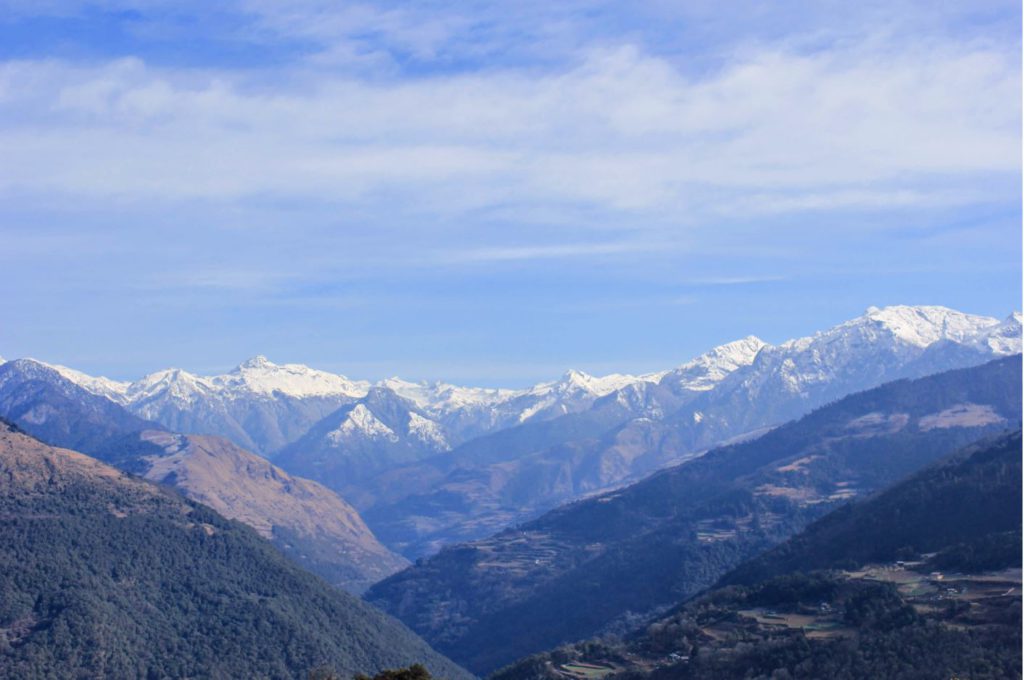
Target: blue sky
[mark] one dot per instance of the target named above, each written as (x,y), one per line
(493,193)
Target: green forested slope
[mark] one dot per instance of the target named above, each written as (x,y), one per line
(103,575)
(963,505)
(832,602)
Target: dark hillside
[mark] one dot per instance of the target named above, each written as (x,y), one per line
(104,575)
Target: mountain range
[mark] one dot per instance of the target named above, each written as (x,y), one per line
(429,464)
(734,391)
(608,562)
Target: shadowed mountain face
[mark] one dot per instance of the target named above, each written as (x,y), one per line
(47,405)
(307,521)
(600,564)
(104,575)
(926,572)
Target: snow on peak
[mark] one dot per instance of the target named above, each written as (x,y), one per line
(422,394)
(256,376)
(573,381)
(361,421)
(258,361)
(261,376)
(111,389)
(428,432)
(1002,339)
(177,385)
(921,326)
(886,338)
(439,398)
(709,369)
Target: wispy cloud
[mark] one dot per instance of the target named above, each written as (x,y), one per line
(734,280)
(625,131)
(545,252)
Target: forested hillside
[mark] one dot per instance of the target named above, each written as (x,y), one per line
(104,575)
(920,581)
(967,506)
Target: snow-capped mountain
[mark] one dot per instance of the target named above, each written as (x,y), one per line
(258,405)
(1004,338)
(264,406)
(115,390)
(261,376)
(709,369)
(467,412)
(729,392)
(54,408)
(379,432)
(735,388)
(307,521)
(256,377)
(788,380)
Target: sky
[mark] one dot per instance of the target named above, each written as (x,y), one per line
(492,193)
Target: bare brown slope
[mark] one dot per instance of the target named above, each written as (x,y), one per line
(30,465)
(307,521)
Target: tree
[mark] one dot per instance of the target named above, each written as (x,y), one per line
(414,672)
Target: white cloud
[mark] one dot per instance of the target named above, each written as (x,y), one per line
(860,126)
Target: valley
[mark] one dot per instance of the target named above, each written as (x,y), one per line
(946,593)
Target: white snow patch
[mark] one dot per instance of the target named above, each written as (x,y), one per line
(111,389)
(709,369)
(428,432)
(361,421)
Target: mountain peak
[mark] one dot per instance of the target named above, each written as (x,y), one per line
(258,361)
(707,370)
(576,377)
(599,386)
(916,325)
